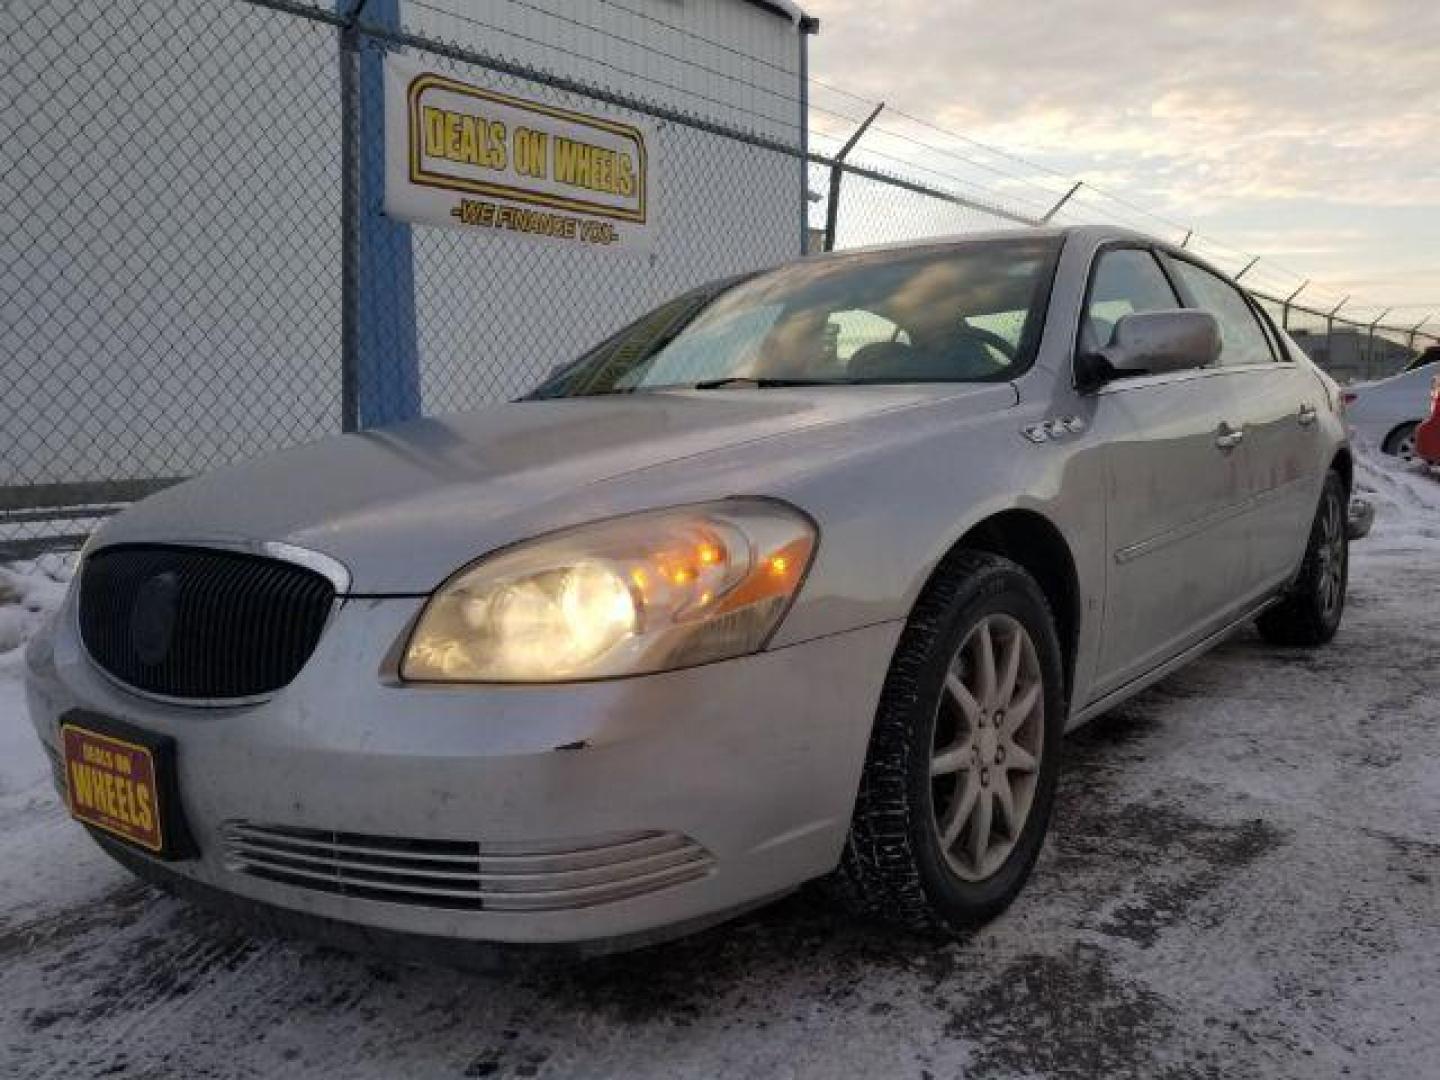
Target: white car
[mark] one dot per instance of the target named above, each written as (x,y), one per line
(1386,413)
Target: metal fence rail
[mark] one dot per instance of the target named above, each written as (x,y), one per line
(179,193)
(182,280)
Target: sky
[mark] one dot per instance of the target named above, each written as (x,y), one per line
(1304,132)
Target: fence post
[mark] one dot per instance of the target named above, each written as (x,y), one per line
(380,357)
(832,209)
(1045,220)
(1415,332)
(808,25)
(1330,327)
(349,219)
(1370,343)
(1285,311)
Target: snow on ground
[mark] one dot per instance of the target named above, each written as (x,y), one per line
(1243,880)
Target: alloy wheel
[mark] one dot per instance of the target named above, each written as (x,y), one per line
(989,737)
(1330,580)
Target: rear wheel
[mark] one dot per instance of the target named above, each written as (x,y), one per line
(1401,442)
(1310,613)
(960,775)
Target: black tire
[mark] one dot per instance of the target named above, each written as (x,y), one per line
(1310,614)
(894,866)
(1396,442)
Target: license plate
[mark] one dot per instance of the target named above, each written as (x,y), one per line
(116,781)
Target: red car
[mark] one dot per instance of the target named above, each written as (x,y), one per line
(1427,435)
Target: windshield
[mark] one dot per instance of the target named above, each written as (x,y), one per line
(971,312)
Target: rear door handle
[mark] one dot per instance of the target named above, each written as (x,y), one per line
(1307,415)
(1227,438)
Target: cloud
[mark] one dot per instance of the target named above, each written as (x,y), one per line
(1202,111)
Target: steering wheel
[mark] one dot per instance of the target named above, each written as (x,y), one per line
(990,338)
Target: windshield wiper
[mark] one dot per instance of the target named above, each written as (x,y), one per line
(742,381)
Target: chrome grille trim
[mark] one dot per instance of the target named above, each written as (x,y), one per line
(465,874)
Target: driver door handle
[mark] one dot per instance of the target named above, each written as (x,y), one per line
(1307,415)
(1227,438)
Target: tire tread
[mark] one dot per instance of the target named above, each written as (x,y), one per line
(1297,620)
(879,876)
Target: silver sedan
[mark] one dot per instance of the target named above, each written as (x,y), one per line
(803,575)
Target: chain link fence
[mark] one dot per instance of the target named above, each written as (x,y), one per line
(178,277)
(163,211)
(718,231)
(875,206)
(178,271)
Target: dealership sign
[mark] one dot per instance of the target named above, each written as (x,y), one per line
(466,156)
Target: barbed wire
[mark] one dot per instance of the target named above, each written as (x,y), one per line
(880,129)
(949,178)
(1032,195)
(1259,262)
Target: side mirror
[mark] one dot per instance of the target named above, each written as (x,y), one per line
(1153,343)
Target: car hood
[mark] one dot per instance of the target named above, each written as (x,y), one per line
(403,507)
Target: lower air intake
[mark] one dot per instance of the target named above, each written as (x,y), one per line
(464,874)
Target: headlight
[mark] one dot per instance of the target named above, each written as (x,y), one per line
(643,593)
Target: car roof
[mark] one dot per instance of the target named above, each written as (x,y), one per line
(1092,233)
(1086,236)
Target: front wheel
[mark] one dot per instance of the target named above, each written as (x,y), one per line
(960,775)
(1311,610)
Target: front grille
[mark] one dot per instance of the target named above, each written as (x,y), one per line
(465,874)
(199,622)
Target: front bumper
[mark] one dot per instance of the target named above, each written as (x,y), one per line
(515,813)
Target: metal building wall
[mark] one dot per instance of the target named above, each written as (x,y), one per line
(728,61)
(170,196)
(495,311)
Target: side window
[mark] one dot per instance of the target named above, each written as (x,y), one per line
(852,330)
(1125,280)
(1008,326)
(1278,348)
(1242,341)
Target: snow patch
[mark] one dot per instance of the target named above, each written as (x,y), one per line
(29,593)
(1242,880)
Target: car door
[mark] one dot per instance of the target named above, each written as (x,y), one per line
(1276,406)
(1173,485)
